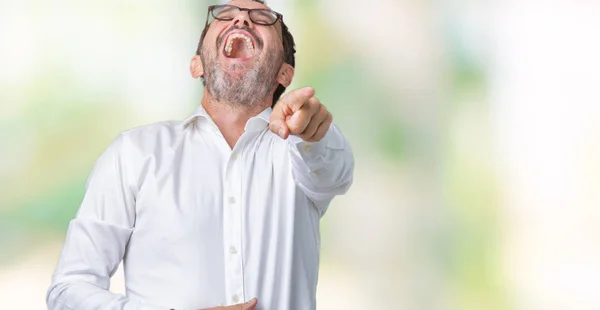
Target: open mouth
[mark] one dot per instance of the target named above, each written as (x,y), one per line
(239,45)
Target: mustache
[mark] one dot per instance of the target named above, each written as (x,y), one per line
(258,41)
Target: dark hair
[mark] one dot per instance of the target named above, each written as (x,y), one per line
(289,51)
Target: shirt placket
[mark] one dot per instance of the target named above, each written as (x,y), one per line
(233,247)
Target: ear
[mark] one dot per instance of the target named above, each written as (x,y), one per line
(286,74)
(196,67)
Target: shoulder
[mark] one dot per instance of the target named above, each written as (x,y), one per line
(146,141)
(153,130)
(134,148)
(152,136)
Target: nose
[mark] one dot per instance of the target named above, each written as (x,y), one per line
(243,19)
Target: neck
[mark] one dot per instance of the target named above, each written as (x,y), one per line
(231,117)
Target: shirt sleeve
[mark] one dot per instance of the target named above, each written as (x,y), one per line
(322,169)
(97,238)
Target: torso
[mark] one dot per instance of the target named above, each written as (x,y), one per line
(216,225)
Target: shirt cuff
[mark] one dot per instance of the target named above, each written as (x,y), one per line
(308,151)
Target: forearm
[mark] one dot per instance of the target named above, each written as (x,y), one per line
(91,254)
(322,169)
(72,292)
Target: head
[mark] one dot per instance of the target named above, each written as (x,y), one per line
(243,62)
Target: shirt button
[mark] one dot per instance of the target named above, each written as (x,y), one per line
(231,200)
(316,172)
(232,250)
(234,156)
(307,148)
(235,299)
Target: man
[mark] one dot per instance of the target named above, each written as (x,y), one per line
(220,210)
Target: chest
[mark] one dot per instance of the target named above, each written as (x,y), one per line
(200,186)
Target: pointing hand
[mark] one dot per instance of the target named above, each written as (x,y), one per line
(300,113)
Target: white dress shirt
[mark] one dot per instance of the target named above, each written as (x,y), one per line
(198,224)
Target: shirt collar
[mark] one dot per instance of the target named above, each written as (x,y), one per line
(203,120)
(260,121)
(199,114)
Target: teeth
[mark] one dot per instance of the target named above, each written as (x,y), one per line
(233,37)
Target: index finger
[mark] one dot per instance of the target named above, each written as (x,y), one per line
(250,305)
(297,97)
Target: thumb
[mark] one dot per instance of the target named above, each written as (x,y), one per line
(280,128)
(251,304)
(286,106)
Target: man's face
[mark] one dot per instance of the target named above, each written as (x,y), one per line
(241,59)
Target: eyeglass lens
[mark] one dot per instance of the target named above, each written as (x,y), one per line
(258,16)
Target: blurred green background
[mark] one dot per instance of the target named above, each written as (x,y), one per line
(475,127)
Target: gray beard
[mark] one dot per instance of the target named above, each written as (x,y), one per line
(249,90)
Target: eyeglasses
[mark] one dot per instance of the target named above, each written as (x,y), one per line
(227,12)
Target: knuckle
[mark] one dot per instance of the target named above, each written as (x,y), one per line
(296,129)
(293,129)
(318,109)
(318,103)
(324,112)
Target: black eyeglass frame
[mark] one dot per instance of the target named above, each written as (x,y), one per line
(211,9)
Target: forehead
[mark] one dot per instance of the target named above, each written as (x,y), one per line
(248,4)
